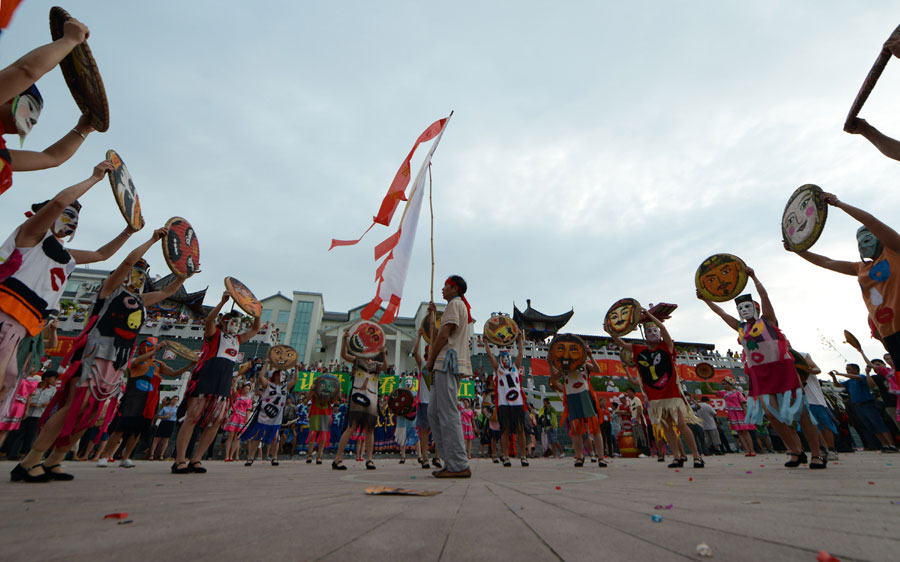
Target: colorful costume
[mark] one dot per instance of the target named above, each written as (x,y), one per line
(509,398)
(363,408)
(772,373)
(239,408)
(138,405)
(319,422)
(211,377)
(13,410)
(267,417)
(580,411)
(733,400)
(659,379)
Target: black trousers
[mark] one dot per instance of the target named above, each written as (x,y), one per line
(22,439)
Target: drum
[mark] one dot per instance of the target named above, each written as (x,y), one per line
(430,330)
(627,358)
(704,370)
(181,250)
(326,388)
(82,75)
(804,217)
(282,357)
(366,339)
(567,353)
(243,297)
(721,277)
(182,351)
(401,401)
(124,191)
(501,330)
(622,317)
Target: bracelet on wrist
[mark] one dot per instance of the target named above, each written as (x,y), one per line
(80,134)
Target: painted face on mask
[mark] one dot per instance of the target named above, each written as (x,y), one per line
(747,311)
(652,333)
(137,278)
(567,353)
(233,325)
(622,316)
(366,339)
(26,109)
(66,223)
(505,361)
(868,244)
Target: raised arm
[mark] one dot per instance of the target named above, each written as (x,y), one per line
(254,329)
(119,274)
(764,301)
(619,341)
(20,75)
(554,379)
(158,296)
(729,319)
(885,234)
(56,153)
(591,363)
(814,369)
(845,267)
(345,352)
(490,355)
(666,336)
(885,144)
(209,325)
(520,359)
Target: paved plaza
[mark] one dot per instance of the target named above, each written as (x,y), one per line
(749,509)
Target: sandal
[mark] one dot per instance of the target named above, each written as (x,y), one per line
(801,459)
(309,460)
(249,462)
(496,460)
(61,476)
(677,463)
(436,462)
(506,462)
(370,465)
(601,463)
(195,467)
(698,463)
(579,462)
(274,462)
(402,461)
(20,474)
(176,470)
(336,466)
(524,461)
(817,465)
(318,461)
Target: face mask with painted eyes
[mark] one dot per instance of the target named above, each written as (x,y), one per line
(233,326)
(26,109)
(137,278)
(869,246)
(66,223)
(652,333)
(747,311)
(505,360)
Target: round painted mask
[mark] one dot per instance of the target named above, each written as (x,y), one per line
(366,339)
(124,191)
(721,277)
(800,364)
(326,388)
(804,217)
(869,246)
(505,359)
(623,316)
(243,297)
(627,357)
(282,356)
(429,330)
(704,370)
(501,330)
(567,353)
(401,401)
(182,250)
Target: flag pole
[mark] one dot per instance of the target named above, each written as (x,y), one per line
(431,208)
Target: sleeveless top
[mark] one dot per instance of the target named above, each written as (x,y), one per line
(657,369)
(577,381)
(508,387)
(219,353)
(33,291)
(137,392)
(271,405)
(364,393)
(763,343)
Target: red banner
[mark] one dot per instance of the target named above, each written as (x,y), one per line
(63,345)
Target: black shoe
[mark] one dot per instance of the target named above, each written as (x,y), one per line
(436,462)
(819,465)
(274,462)
(801,459)
(249,462)
(336,466)
(507,463)
(196,468)
(19,474)
(698,463)
(524,461)
(176,470)
(496,460)
(677,463)
(601,463)
(60,476)
(579,462)
(402,461)
(318,461)
(661,459)
(309,460)
(370,465)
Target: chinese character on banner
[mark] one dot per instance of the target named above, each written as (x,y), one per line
(386,385)
(169,354)
(466,389)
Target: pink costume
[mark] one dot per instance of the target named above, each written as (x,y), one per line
(773,376)
(14,406)
(238,417)
(319,422)
(468,423)
(733,401)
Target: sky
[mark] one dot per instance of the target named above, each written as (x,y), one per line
(598,150)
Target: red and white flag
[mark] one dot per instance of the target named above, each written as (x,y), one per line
(397,248)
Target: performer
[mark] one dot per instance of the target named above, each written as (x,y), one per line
(879,250)
(775,388)
(320,418)
(362,412)
(737,412)
(510,398)
(167,417)
(267,417)
(210,384)
(138,405)
(818,407)
(20,113)
(449,351)
(241,402)
(423,395)
(404,431)
(34,267)
(655,359)
(96,364)
(857,386)
(578,407)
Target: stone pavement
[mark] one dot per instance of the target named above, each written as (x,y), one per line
(548,511)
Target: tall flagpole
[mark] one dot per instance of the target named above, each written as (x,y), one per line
(431,208)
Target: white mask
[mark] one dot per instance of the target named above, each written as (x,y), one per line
(66,223)
(652,333)
(26,109)
(747,311)
(233,326)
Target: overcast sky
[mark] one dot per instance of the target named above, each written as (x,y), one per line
(598,150)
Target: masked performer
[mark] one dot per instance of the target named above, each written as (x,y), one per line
(237,419)
(266,421)
(210,384)
(362,411)
(579,408)
(655,359)
(34,267)
(96,364)
(775,388)
(137,408)
(510,397)
(320,419)
(737,413)
(405,429)
(879,250)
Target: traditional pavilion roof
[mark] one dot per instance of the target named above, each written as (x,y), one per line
(537,325)
(191,301)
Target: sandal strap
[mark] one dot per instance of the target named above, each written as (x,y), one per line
(46,467)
